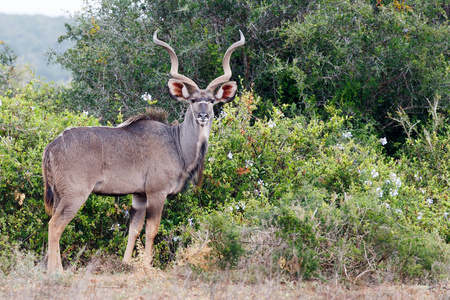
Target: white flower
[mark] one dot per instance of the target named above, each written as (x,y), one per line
(429,201)
(395,180)
(176,238)
(260,182)
(190,221)
(387,206)
(85,113)
(115,227)
(222,114)
(126,213)
(422,190)
(248,163)
(146,97)
(374,173)
(257,192)
(383,141)
(446,215)
(340,147)
(419,216)
(211,159)
(347,135)
(230,155)
(417,177)
(368,182)
(393,192)
(398,210)
(271,124)
(0,102)
(379,192)
(242,205)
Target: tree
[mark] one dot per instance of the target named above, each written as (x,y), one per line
(7,61)
(114,60)
(367,59)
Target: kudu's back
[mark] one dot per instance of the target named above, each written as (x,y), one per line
(132,159)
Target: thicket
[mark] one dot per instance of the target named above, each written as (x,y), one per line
(368,58)
(289,190)
(316,198)
(300,197)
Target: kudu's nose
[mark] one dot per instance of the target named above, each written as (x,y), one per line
(202,118)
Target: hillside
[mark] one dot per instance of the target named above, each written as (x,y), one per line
(32,36)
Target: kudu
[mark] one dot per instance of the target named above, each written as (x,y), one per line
(141,156)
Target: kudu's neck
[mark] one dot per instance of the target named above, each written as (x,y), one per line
(193,140)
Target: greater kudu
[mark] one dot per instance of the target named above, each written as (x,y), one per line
(141,156)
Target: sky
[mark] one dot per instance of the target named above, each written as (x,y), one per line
(49,8)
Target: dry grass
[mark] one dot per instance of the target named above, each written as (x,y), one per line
(110,279)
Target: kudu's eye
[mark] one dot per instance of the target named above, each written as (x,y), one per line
(212,100)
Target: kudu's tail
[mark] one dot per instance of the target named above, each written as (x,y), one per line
(49,197)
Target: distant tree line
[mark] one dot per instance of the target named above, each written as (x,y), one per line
(31,36)
(7,60)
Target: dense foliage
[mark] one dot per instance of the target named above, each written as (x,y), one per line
(308,198)
(324,193)
(368,61)
(366,57)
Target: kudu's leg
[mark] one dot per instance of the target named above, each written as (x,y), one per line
(155,204)
(65,212)
(137,216)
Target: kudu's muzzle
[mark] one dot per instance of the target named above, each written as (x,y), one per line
(203,115)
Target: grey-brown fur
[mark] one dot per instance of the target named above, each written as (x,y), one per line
(151,113)
(143,156)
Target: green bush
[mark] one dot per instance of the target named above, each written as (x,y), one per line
(297,197)
(368,59)
(365,57)
(323,191)
(225,239)
(29,120)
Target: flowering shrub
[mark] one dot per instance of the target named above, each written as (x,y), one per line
(292,196)
(425,165)
(333,201)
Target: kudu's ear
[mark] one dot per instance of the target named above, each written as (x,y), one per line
(177,90)
(226,92)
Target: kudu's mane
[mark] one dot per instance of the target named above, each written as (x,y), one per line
(152,113)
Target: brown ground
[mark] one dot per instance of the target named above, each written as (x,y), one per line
(111,279)
(182,283)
